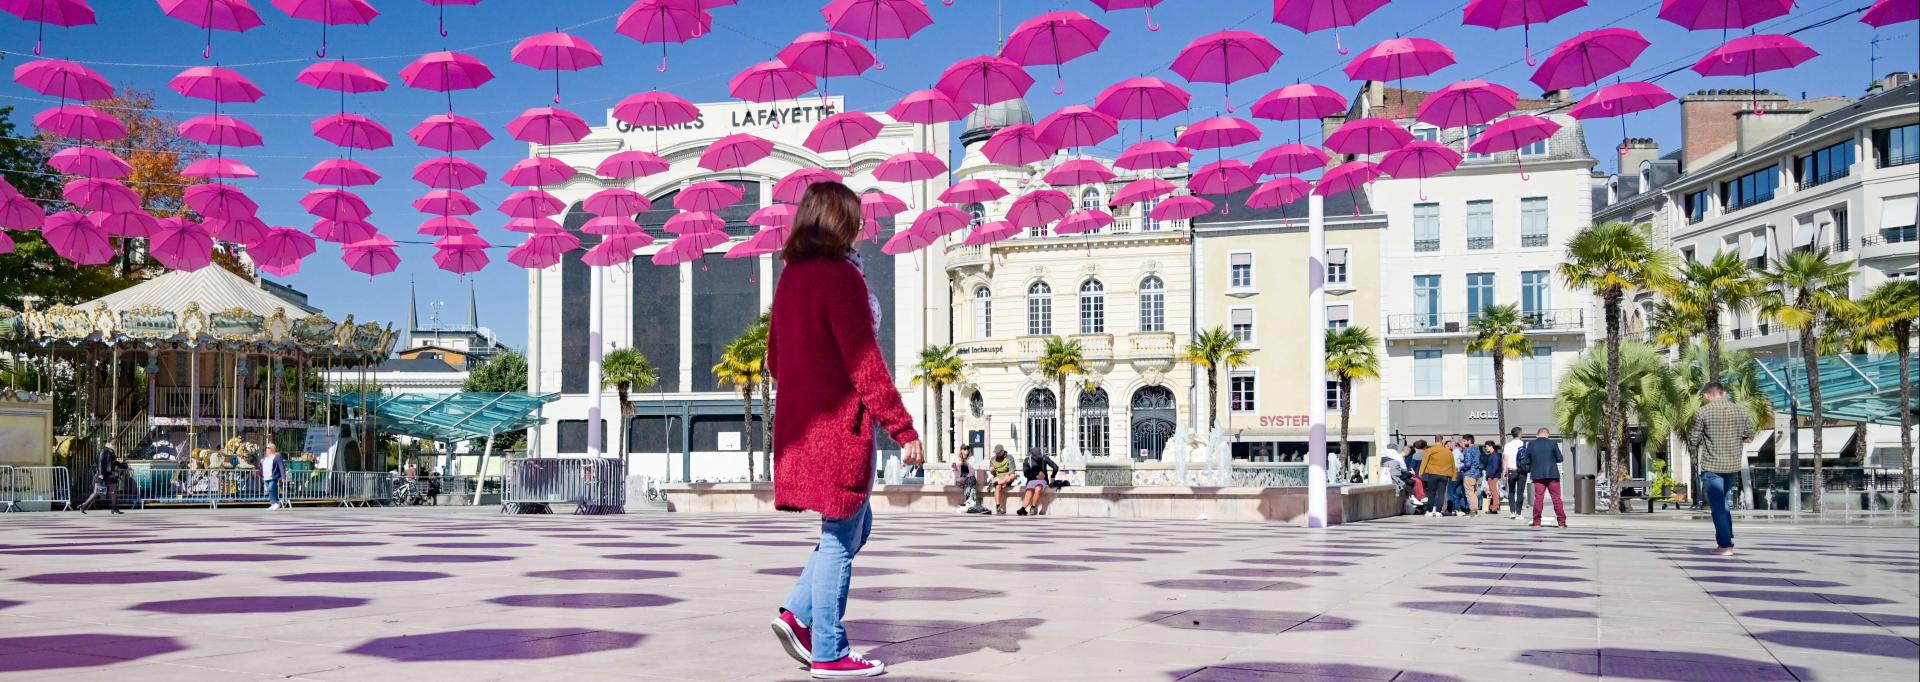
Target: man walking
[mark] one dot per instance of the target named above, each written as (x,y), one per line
(1719,430)
(1541,459)
(1516,476)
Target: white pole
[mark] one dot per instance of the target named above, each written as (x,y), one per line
(593,364)
(1316,362)
(535,301)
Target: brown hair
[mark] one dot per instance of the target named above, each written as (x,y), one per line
(826,225)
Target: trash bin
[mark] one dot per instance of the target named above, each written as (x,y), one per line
(1583,494)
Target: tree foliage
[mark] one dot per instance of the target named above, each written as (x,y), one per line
(505,372)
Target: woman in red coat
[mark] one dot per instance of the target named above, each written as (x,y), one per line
(834,384)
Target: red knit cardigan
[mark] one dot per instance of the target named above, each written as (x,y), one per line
(833,384)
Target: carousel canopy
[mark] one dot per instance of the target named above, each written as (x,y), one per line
(1852,387)
(448,417)
(214,288)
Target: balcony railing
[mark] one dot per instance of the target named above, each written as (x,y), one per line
(1561,319)
(1819,179)
(1891,235)
(1422,245)
(1479,243)
(1898,157)
(1533,240)
(1754,332)
(1743,202)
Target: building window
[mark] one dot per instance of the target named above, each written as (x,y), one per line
(1242,389)
(1043,420)
(1842,239)
(1337,266)
(1093,307)
(1426,227)
(1037,232)
(1479,225)
(1533,222)
(1333,395)
(1897,219)
(1089,199)
(1240,323)
(1824,165)
(1750,189)
(1039,309)
(1147,222)
(1426,373)
(977,405)
(1479,293)
(1093,423)
(1426,134)
(1479,374)
(982,312)
(1426,300)
(1536,149)
(976,214)
(1339,316)
(1686,253)
(1240,270)
(1533,292)
(1473,135)
(1897,146)
(1536,372)
(1697,205)
(1153,304)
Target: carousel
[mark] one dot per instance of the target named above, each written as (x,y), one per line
(196,369)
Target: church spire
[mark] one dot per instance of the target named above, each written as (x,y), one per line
(473,309)
(413,312)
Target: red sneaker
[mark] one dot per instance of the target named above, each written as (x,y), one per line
(850,666)
(794,637)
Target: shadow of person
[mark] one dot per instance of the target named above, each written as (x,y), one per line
(932,640)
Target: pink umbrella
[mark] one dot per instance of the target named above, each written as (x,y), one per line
(556,52)
(1148,5)
(353,131)
(341,172)
(629,240)
(1054,38)
(1226,57)
(1586,58)
(447,226)
(926,106)
(1076,125)
(130,224)
(940,221)
(709,196)
(538,171)
(770,81)
(1420,160)
(1467,103)
(1290,159)
(222,15)
(1299,101)
(984,80)
(1142,99)
(1308,16)
(1513,133)
(773,215)
(992,232)
(1181,207)
(215,84)
(218,168)
(101,194)
(460,261)
(1347,177)
(735,151)
(64,13)
(335,204)
(610,225)
(1499,14)
(877,19)
(792,188)
(6,244)
(697,242)
(1701,15)
(1219,132)
(1153,154)
(1885,13)
(1278,192)
(533,225)
(91,162)
(1222,177)
(80,123)
(881,205)
(907,241)
(182,245)
(1368,136)
(446,202)
(1398,58)
(220,130)
(843,131)
(1038,208)
(1083,222)
(369,258)
(215,200)
(826,54)
(283,246)
(1751,55)
(1017,145)
(656,109)
(450,132)
(547,125)
(329,13)
(1144,189)
(462,241)
(631,164)
(532,203)
(617,201)
(760,244)
(1620,99)
(446,72)
(1078,172)
(243,230)
(974,191)
(692,222)
(610,253)
(341,76)
(663,22)
(910,166)
(343,231)
(20,213)
(539,251)
(449,173)
(62,79)
(77,239)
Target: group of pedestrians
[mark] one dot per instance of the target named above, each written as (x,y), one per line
(1038,470)
(1456,476)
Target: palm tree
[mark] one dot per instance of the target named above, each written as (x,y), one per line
(1807,292)
(1891,310)
(1610,260)
(1062,359)
(939,368)
(1215,349)
(626,370)
(1350,356)
(1647,388)
(1672,328)
(743,366)
(1703,288)
(761,331)
(1499,331)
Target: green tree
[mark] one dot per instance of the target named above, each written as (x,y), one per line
(1611,260)
(1647,388)
(33,270)
(1500,333)
(743,366)
(1891,310)
(1703,288)
(1806,292)
(626,370)
(762,332)
(1350,356)
(939,368)
(1671,328)
(505,372)
(1060,360)
(1213,350)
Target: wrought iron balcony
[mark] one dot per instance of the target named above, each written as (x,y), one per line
(1822,178)
(1533,240)
(1743,202)
(1420,245)
(1479,243)
(1561,319)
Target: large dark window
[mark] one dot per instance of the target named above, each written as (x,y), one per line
(573,436)
(1824,165)
(656,319)
(575,311)
(1697,205)
(1750,189)
(726,299)
(653,433)
(1897,146)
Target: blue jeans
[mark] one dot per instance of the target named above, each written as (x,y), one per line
(1457,495)
(273,490)
(1716,485)
(819,598)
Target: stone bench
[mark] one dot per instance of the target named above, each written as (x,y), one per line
(1284,505)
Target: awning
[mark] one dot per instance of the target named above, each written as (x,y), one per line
(1899,212)
(1759,442)
(447,417)
(1837,439)
(1862,388)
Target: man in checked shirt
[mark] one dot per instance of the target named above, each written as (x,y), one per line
(1720,428)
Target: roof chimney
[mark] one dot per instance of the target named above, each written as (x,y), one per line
(1635,151)
(1707,125)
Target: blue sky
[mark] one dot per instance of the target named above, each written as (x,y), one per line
(134,44)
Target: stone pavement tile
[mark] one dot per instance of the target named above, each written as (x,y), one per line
(279,659)
(168,672)
(1181,653)
(1091,669)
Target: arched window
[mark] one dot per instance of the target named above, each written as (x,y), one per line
(1093,423)
(1039,309)
(977,215)
(977,405)
(1043,420)
(1090,199)
(982,312)
(1147,223)
(1093,307)
(1153,304)
(1153,417)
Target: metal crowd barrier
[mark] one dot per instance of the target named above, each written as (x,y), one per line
(35,487)
(367,489)
(592,485)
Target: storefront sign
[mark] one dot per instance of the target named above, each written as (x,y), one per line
(972,350)
(1282,420)
(716,120)
(1483,414)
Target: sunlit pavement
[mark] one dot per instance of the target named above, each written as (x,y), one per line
(465,594)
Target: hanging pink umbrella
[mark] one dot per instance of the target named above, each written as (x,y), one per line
(63,13)
(283,246)
(1513,133)
(631,164)
(1299,101)
(773,216)
(1078,172)
(80,123)
(445,72)
(539,251)
(908,241)
(1420,160)
(335,204)
(215,200)
(220,130)
(825,54)
(735,151)
(1144,189)
(708,196)
(992,232)
(449,173)
(353,131)
(218,168)
(1219,132)
(940,221)
(984,80)
(770,81)
(1076,125)
(1278,192)
(1291,159)
(616,201)
(532,203)
(973,191)
(1499,14)
(446,226)
(1142,99)
(794,186)
(1751,55)
(101,194)
(533,225)
(1039,208)
(842,131)
(328,13)
(693,222)
(927,107)
(611,253)
(90,162)
(446,202)
(1702,15)
(213,15)
(1148,5)
(611,225)
(1368,136)
(537,171)
(6,244)
(1586,58)
(760,244)
(1620,99)
(1222,177)
(1399,58)
(1885,13)
(909,167)
(371,259)
(182,245)
(246,230)
(1467,103)
(62,79)
(450,132)
(881,205)
(696,242)
(656,109)
(1153,154)
(664,22)
(77,239)
(1181,207)
(341,172)
(556,52)
(1083,222)
(1226,57)
(547,125)
(341,76)
(215,84)
(1351,176)
(20,213)
(1054,38)
(1309,16)
(137,224)
(460,261)
(462,241)
(877,19)
(1017,145)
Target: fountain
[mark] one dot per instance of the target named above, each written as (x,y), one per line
(1176,450)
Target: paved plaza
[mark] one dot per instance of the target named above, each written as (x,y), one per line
(464,594)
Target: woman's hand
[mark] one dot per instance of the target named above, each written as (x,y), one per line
(912,454)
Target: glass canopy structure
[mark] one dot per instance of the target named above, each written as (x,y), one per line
(447,417)
(1860,388)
